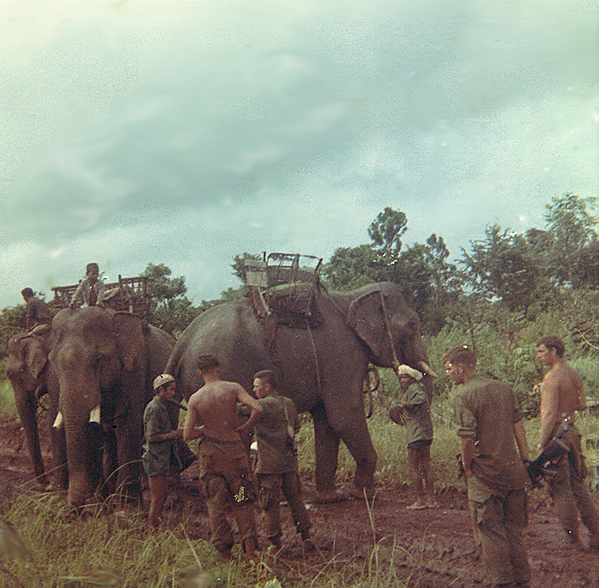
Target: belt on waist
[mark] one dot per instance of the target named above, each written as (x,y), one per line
(221,441)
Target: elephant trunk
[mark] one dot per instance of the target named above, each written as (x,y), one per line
(84,456)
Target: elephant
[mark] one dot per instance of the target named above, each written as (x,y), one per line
(104,363)
(27,370)
(322,368)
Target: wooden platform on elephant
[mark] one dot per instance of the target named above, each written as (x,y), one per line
(128,294)
(282,288)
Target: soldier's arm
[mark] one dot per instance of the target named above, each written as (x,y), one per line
(253,405)
(467,451)
(582,399)
(190,430)
(549,410)
(521,441)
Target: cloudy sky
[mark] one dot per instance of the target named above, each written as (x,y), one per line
(187,131)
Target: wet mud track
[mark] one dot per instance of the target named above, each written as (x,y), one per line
(432,548)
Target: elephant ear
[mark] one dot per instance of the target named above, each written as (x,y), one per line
(130,340)
(366,318)
(36,356)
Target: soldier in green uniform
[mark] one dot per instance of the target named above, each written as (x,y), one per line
(277,459)
(490,427)
(160,458)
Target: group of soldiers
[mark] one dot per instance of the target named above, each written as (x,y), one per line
(495,458)
(225,473)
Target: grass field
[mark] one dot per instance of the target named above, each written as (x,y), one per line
(120,552)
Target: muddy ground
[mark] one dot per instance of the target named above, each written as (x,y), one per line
(433,547)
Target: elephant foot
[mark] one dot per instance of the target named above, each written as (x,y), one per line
(362,493)
(328,497)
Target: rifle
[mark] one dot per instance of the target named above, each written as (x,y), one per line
(554,449)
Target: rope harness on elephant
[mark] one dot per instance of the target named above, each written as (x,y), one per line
(316,364)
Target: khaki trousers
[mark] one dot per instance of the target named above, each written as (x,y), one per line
(272,488)
(500,522)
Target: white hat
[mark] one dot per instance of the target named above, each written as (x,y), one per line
(162,379)
(406,370)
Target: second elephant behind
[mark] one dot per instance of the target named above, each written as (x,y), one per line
(322,368)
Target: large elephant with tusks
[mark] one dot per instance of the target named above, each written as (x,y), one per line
(104,362)
(322,368)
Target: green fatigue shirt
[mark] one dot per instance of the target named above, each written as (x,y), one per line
(419,426)
(159,457)
(486,410)
(276,449)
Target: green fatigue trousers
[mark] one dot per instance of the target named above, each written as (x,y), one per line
(569,493)
(272,486)
(228,488)
(500,522)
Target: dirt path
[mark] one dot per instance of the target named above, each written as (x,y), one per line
(434,547)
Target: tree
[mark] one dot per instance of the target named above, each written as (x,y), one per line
(386,231)
(573,227)
(503,267)
(352,267)
(170,309)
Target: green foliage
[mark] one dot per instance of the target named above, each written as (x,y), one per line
(572,225)
(12,321)
(386,232)
(170,309)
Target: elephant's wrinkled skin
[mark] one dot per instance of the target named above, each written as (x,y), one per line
(354,333)
(104,363)
(27,370)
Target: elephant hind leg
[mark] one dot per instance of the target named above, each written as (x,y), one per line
(326,449)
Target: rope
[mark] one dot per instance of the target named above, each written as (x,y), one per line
(318,381)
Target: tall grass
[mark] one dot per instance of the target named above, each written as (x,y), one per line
(8,408)
(115,549)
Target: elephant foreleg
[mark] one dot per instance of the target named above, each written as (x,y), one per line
(27,409)
(326,449)
(109,459)
(360,446)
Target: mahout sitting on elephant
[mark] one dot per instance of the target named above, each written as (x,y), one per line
(321,367)
(104,363)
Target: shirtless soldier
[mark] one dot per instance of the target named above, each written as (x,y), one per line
(224,465)
(562,394)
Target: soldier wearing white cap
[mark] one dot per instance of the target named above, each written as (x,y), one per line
(415,413)
(160,458)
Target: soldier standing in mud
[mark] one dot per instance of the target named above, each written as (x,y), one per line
(224,464)
(562,394)
(277,459)
(490,426)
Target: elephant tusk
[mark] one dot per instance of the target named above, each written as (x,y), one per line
(58,421)
(94,415)
(427,369)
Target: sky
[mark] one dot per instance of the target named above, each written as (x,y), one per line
(185,132)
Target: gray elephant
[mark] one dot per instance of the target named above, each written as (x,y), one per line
(321,367)
(104,362)
(27,370)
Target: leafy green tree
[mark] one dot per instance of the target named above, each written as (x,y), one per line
(571,223)
(386,231)
(352,267)
(502,266)
(170,309)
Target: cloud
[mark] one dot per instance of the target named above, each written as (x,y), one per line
(186,132)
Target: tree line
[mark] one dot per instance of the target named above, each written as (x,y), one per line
(506,278)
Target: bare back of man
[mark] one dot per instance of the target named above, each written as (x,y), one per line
(212,410)
(215,405)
